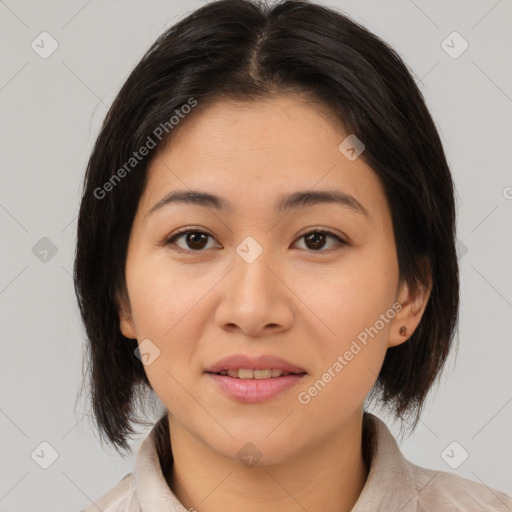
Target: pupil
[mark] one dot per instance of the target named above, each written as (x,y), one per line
(193,239)
(318,240)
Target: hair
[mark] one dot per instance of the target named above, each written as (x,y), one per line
(243,50)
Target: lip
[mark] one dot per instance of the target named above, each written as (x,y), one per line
(254,390)
(262,362)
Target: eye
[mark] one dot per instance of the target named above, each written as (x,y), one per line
(316,240)
(195,240)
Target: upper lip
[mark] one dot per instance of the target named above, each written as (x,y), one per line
(263,362)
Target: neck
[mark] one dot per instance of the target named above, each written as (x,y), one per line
(327,477)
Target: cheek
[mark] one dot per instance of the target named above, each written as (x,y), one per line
(356,307)
(166,308)
(164,295)
(350,296)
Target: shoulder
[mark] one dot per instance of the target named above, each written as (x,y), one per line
(396,483)
(116,499)
(440,490)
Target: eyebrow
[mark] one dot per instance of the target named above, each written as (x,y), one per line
(300,199)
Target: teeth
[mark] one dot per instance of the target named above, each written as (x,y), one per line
(245,373)
(248,373)
(262,374)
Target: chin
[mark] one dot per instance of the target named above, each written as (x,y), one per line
(253,446)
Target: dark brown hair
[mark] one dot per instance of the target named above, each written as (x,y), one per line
(244,50)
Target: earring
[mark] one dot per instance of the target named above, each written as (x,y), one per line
(403,330)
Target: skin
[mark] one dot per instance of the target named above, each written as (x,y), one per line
(303,304)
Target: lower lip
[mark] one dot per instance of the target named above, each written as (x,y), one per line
(254,390)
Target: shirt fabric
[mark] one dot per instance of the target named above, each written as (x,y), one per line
(394,484)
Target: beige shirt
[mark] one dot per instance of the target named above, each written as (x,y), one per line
(393,485)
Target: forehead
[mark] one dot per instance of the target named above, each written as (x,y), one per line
(254,153)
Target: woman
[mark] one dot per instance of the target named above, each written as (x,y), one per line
(266,240)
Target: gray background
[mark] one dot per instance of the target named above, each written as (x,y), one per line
(51,111)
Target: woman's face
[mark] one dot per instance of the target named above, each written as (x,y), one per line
(259,279)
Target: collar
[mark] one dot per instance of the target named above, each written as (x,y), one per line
(389,478)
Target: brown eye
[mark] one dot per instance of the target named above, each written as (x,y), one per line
(196,241)
(193,240)
(316,240)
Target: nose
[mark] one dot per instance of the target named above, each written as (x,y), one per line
(255,298)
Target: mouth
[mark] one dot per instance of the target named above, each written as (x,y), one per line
(259,367)
(253,380)
(250,373)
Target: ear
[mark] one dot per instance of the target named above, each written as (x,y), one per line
(413,304)
(126,324)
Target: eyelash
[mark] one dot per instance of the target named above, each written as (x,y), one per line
(170,240)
